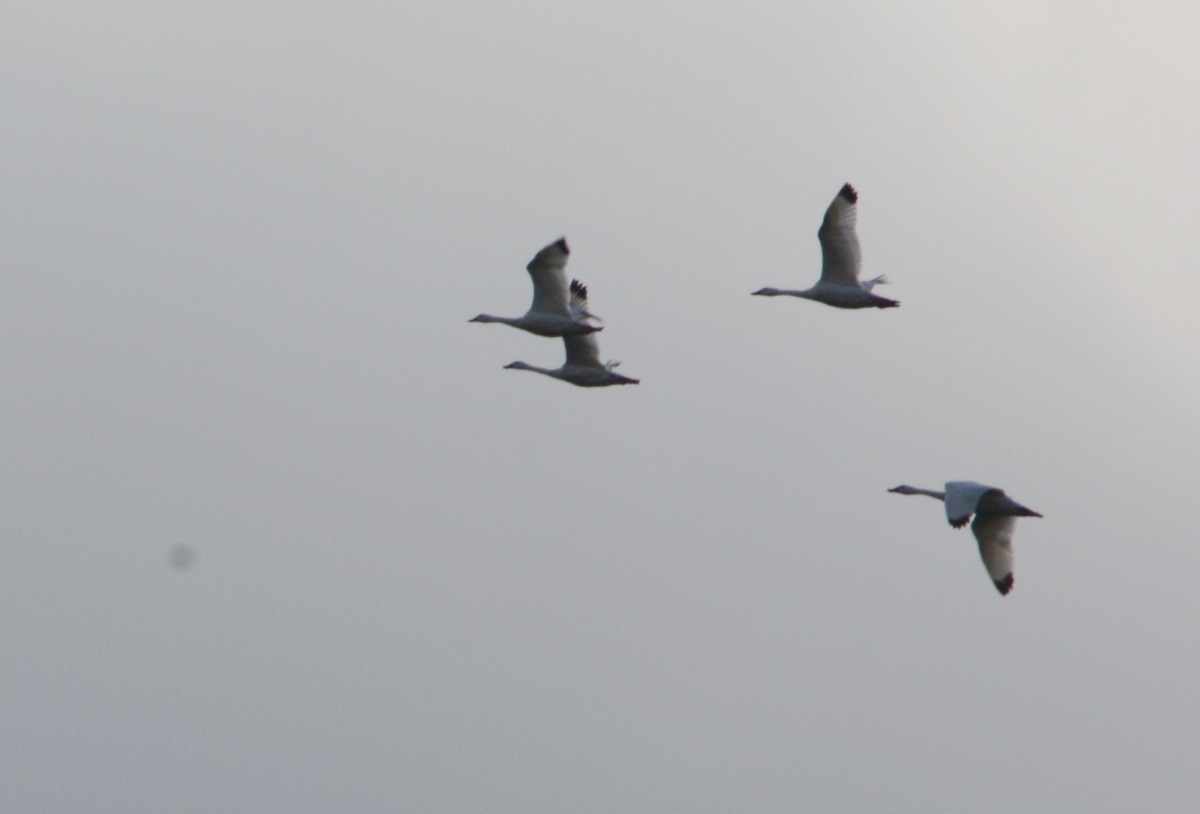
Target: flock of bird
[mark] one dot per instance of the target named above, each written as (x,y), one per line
(560,310)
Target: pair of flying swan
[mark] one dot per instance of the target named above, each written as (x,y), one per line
(561,310)
(841,261)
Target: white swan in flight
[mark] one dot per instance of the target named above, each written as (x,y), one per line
(995,516)
(551,313)
(841,261)
(583,366)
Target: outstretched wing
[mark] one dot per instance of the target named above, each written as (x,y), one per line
(579,303)
(548,269)
(994,533)
(841,256)
(583,351)
(962,498)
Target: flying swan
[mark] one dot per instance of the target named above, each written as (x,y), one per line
(583,366)
(551,313)
(841,261)
(995,516)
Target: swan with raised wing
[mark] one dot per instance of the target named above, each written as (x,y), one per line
(551,313)
(995,518)
(841,262)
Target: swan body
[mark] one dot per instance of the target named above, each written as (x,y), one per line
(995,519)
(551,313)
(583,366)
(841,262)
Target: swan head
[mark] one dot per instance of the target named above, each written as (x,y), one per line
(518,366)
(483,318)
(905,490)
(766,292)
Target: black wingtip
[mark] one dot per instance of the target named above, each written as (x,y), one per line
(849,193)
(561,243)
(1004,585)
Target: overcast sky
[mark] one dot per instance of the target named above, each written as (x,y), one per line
(241,245)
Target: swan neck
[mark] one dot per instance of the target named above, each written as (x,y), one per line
(524,366)
(784,292)
(913,490)
(490,318)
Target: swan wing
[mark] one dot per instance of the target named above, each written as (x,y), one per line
(583,351)
(579,303)
(996,502)
(994,533)
(548,270)
(962,498)
(841,256)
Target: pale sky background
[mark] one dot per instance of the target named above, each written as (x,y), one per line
(241,245)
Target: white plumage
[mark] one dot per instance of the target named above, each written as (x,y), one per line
(841,261)
(551,313)
(583,366)
(995,519)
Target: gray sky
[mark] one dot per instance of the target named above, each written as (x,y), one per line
(241,245)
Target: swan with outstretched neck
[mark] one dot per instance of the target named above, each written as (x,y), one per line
(551,313)
(995,518)
(841,262)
